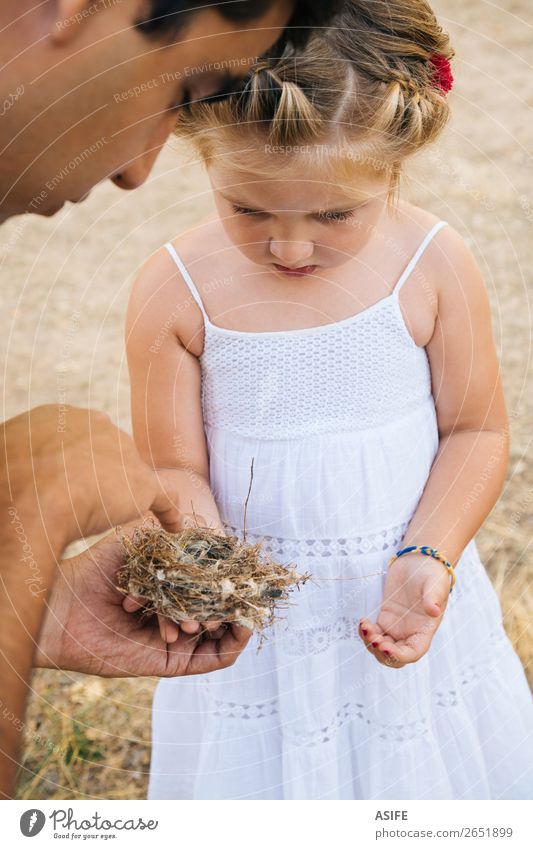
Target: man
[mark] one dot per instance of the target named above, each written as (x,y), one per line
(89,92)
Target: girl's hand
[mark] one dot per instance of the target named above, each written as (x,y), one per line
(415,598)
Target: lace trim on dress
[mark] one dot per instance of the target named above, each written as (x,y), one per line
(350,711)
(291,549)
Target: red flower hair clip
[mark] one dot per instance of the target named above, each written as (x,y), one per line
(443,77)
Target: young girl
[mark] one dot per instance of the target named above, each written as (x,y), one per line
(341,340)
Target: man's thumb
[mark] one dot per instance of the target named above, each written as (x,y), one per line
(167,511)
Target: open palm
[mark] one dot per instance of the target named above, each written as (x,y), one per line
(414,600)
(87,629)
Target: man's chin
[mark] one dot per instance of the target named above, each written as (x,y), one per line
(53,209)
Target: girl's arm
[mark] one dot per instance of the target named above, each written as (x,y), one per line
(468,472)
(165,400)
(469,469)
(165,386)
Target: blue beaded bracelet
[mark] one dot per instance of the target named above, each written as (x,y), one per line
(430,552)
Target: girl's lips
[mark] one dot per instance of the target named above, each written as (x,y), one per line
(303,271)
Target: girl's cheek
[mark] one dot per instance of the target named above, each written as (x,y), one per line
(252,236)
(236,232)
(344,240)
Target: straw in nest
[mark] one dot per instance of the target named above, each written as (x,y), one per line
(198,574)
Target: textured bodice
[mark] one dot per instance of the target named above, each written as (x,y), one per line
(350,375)
(355,374)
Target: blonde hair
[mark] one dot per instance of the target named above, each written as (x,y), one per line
(368,81)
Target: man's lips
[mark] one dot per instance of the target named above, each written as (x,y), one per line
(296,272)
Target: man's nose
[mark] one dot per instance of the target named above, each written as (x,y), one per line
(135,172)
(291,252)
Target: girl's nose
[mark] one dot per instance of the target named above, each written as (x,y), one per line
(291,253)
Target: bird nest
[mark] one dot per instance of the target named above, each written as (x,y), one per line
(198,574)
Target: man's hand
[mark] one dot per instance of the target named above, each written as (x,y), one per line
(65,473)
(79,472)
(87,629)
(415,598)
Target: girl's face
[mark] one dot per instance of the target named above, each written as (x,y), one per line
(298,224)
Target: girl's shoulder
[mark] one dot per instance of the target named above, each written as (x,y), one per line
(447,247)
(161,297)
(447,264)
(445,278)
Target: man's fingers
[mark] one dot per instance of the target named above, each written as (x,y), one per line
(219,654)
(212,625)
(190,626)
(232,643)
(168,629)
(132,604)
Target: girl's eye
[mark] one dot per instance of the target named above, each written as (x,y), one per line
(243,210)
(335,216)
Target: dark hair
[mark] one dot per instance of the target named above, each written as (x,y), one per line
(166,17)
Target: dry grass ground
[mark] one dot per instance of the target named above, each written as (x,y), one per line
(65,288)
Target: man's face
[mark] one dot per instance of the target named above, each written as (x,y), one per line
(100,103)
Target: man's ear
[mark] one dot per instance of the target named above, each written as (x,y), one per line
(68,16)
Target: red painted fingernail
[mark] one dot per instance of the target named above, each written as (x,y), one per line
(385,651)
(374,644)
(364,630)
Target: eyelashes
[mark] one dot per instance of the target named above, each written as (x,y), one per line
(336,216)
(243,210)
(324,217)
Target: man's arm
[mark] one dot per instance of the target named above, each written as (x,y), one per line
(65,473)
(28,559)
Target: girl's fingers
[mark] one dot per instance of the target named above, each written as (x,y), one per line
(379,644)
(370,633)
(405,654)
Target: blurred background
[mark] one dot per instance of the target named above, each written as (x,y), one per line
(66,283)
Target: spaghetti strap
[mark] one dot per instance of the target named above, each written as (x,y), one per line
(187,277)
(418,254)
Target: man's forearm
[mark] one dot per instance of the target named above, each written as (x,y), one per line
(28,557)
(465,482)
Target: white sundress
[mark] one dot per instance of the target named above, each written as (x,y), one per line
(341,424)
